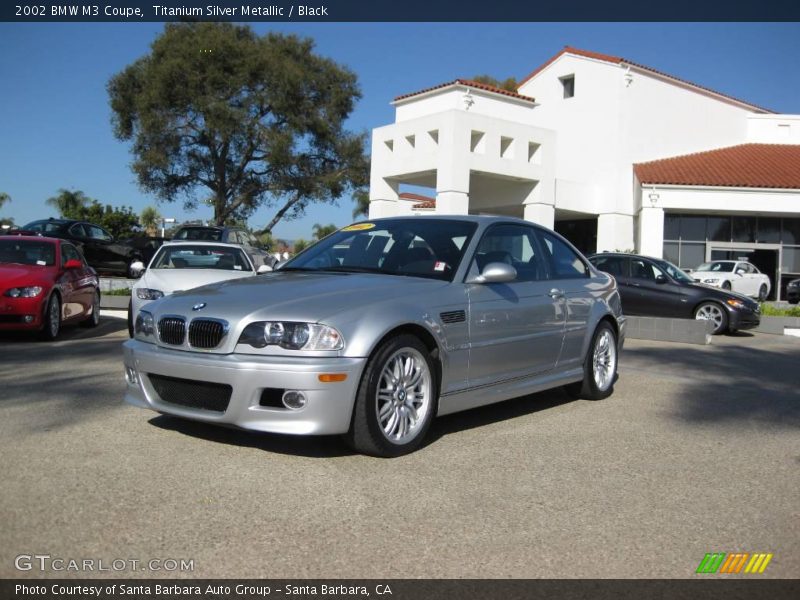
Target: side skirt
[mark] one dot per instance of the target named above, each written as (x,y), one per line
(505,390)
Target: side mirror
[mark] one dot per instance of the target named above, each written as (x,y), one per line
(264,269)
(495,272)
(73,263)
(661,279)
(137,268)
(740,271)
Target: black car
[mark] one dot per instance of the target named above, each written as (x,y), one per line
(793,291)
(258,252)
(99,248)
(657,288)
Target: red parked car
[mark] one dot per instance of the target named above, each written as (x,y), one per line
(45,282)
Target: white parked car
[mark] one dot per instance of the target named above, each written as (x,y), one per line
(179,266)
(735,275)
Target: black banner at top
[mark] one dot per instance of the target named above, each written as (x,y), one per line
(397,11)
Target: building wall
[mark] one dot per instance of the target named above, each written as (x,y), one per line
(773,129)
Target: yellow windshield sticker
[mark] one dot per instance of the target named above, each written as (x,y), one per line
(359,227)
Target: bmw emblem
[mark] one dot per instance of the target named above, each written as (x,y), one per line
(200,306)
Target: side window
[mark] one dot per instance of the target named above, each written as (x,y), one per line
(564,262)
(642,269)
(98,234)
(514,245)
(614,265)
(77,230)
(69,252)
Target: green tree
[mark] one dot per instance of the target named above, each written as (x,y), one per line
(362,204)
(4,198)
(70,204)
(257,121)
(509,84)
(299,246)
(321,231)
(118,221)
(150,219)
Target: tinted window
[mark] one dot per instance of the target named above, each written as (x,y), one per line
(693,227)
(199,233)
(69,252)
(643,269)
(513,245)
(719,229)
(564,261)
(744,229)
(672,227)
(78,230)
(96,233)
(412,247)
(27,252)
(615,265)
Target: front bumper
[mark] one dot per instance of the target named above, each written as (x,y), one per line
(327,411)
(743,319)
(21,313)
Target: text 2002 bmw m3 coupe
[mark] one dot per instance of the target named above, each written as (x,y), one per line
(380,327)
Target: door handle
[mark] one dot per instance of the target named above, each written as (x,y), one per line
(556,293)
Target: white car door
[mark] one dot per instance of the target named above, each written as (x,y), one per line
(741,281)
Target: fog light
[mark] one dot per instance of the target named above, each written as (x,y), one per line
(294,400)
(28,318)
(131,376)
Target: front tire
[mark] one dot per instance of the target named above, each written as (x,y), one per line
(396,400)
(711,311)
(726,285)
(762,293)
(599,367)
(52,319)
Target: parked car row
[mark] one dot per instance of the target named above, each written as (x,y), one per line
(128,257)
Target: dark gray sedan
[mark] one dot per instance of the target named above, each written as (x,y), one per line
(380,327)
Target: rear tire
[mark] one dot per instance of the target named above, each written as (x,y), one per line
(94,318)
(711,311)
(599,367)
(396,399)
(52,319)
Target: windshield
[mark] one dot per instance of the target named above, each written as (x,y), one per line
(675,272)
(189,256)
(25,252)
(412,247)
(717,266)
(199,233)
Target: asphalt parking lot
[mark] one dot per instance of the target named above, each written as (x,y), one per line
(697,451)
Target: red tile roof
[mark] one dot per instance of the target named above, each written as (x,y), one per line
(617,60)
(748,165)
(423,201)
(469,83)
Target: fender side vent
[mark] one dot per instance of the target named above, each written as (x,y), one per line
(453,316)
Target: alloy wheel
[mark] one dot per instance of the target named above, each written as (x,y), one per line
(404,395)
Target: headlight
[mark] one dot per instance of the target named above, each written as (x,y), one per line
(149,294)
(24,292)
(711,281)
(144,327)
(291,335)
(734,303)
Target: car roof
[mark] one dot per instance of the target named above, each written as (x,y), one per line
(37,238)
(468,218)
(201,243)
(219,227)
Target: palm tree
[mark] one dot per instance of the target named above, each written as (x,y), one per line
(70,204)
(299,246)
(321,231)
(4,198)
(362,204)
(150,219)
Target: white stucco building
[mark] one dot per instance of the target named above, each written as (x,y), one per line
(612,154)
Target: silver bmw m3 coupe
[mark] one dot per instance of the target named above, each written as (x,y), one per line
(380,327)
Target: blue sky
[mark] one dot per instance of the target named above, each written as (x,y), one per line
(55,120)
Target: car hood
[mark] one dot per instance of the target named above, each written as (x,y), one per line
(715,292)
(175,280)
(711,275)
(293,296)
(14,275)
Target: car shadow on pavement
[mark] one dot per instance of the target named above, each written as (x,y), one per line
(68,332)
(732,385)
(313,446)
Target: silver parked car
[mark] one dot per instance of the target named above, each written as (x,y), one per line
(379,327)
